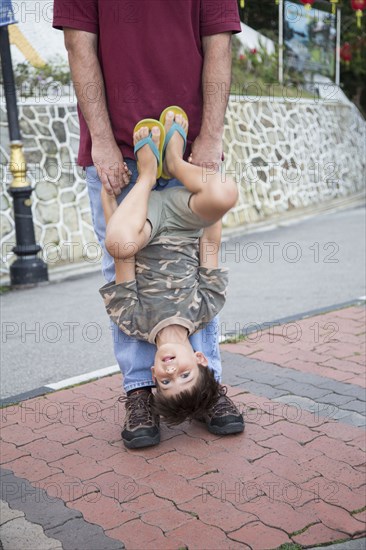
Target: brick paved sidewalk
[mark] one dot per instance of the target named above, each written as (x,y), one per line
(296,475)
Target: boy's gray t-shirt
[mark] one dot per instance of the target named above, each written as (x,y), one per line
(170,286)
(169,289)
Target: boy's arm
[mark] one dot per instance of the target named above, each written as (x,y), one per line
(211,284)
(210,245)
(212,280)
(125,269)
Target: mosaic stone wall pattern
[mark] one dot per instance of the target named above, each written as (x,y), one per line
(287,155)
(61,210)
(283,154)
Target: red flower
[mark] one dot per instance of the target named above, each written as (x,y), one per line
(358,4)
(345,52)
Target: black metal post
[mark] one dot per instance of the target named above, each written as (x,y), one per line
(28,268)
(9,85)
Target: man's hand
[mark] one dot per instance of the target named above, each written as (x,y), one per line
(112,170)
(206,151)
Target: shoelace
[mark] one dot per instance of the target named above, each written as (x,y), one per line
(224,405)
(138,408)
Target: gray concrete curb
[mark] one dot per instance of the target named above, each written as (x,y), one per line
(357,544)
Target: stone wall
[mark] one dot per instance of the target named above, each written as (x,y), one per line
(61,210)
(292,154)
(283,154)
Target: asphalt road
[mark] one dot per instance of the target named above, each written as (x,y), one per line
(60,330)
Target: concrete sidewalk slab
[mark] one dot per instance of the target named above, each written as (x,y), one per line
(17,532)
(296,475)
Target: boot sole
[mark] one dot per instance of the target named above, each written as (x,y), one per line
(143,441)
(234,428)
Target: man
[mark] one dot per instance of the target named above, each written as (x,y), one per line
(129,60)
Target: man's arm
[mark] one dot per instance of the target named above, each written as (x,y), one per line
(88,81)
(216,80)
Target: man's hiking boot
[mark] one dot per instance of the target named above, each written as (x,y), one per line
(224,418)
(141,427)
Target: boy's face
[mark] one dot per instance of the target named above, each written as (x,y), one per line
(176,368)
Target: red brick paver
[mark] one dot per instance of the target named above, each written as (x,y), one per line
(260,536)
(320,533)
(293,476)
(297,345)
(103,510)
(136,534)
(9,452)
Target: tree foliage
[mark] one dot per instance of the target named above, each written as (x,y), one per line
(353,76)
(262,15)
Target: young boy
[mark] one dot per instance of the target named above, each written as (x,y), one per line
(167,280)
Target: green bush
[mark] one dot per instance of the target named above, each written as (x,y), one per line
(31,81)
(255,72)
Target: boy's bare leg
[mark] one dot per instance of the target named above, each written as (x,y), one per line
(212,197)
(128,230)
(121,241)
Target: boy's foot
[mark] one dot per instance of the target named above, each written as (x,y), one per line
(147,162)
(224,418)
(174,149)
(141,426)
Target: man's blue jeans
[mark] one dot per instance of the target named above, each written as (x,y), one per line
(136,357)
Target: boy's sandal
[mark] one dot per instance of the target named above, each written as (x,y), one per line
(158,151)
(174,128)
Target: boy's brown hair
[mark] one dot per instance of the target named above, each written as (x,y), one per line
(189,404)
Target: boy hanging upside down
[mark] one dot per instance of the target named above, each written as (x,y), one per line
(165,246)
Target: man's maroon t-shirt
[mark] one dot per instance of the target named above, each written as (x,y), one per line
(151,56)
